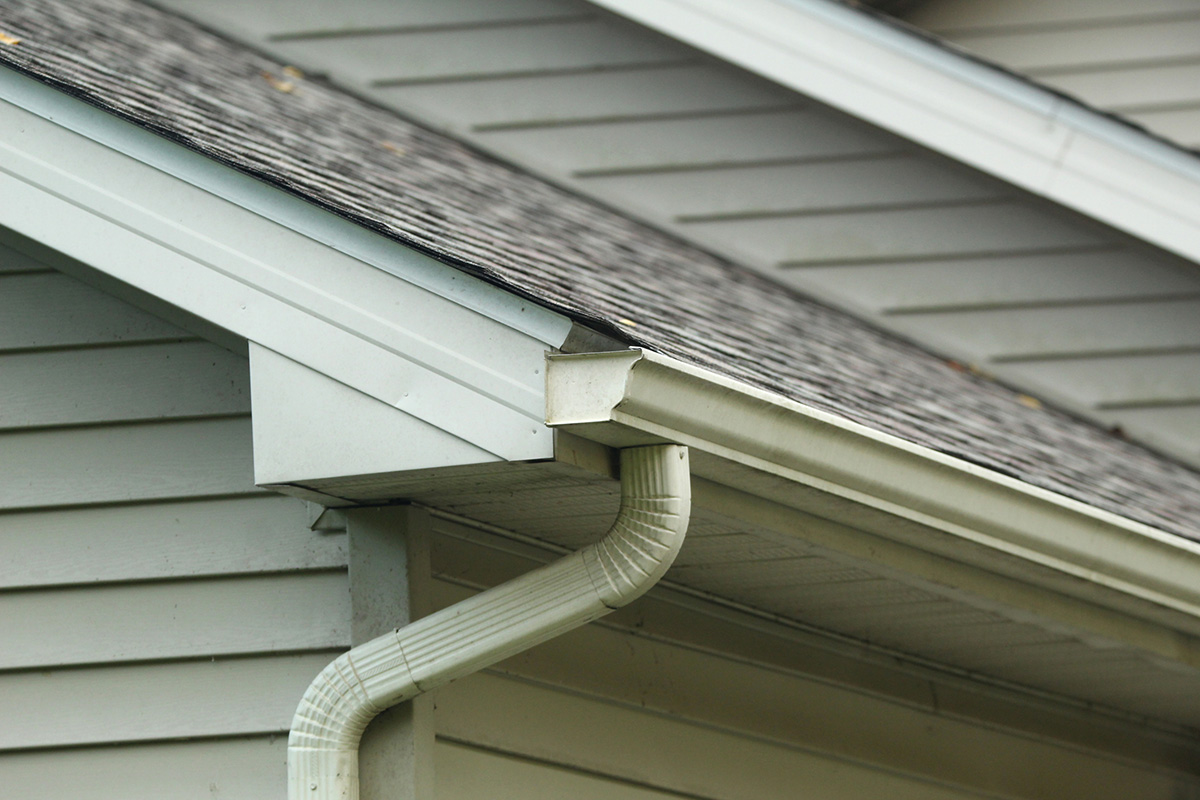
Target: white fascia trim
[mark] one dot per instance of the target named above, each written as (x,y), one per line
(984,117)
(968,512)
(246,257)
(280,207)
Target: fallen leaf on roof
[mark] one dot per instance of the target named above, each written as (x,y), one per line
(277,84)
(293,72)
(1029,402)
(6,39)
(628,322)
(976,369)
(391,148)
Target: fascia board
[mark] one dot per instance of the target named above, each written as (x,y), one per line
(277,206)
(831,469)
(251,259)
(986,118)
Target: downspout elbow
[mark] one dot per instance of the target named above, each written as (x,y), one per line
(491,626)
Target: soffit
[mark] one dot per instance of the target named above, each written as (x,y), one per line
(1008,285)
(783,572)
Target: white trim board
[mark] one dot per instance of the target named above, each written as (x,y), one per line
(383,319)
(309,428)
(989,119)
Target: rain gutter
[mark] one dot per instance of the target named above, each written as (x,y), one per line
(880,497)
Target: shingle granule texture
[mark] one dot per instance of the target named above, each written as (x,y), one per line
(566,253)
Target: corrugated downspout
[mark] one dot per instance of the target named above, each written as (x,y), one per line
(503,621)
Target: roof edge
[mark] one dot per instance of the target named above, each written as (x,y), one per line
(833,469)
(266,267)
(275,204)
(981,115)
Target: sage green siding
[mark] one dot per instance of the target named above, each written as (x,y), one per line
(160,615)
(1140,60)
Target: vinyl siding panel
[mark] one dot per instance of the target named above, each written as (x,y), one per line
(1180,124)
(1127,89)
(1010,279)
(156,608)
(455,55)
(174,620)
(1009,14)
(854,237)
(1170,379)
(1165,426)
(652,147)
(79,546)
(811,186)
(1142,61)
(153,702)
(125,463)
(1086,46)
(552,99)
(125,384)
(238,769)
(81,315)
(1071,330)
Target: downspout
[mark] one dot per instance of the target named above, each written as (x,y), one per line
(500,622)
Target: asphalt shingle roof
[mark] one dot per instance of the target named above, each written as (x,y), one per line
(565,252)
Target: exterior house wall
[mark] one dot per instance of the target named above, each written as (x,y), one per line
(1140,60)
(159,615)
(162,616)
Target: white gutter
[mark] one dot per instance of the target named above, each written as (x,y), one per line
(503,621)
(893,502)
(982,116)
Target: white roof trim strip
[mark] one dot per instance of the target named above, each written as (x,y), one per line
(984,117)
(277,206)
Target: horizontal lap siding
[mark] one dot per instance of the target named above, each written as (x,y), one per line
(160,614)
(200,698)
(249,768)
(1124,347)
(1139,60)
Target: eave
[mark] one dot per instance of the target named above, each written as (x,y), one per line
(909,509)
(990,119)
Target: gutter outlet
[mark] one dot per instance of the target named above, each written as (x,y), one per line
(491,626)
